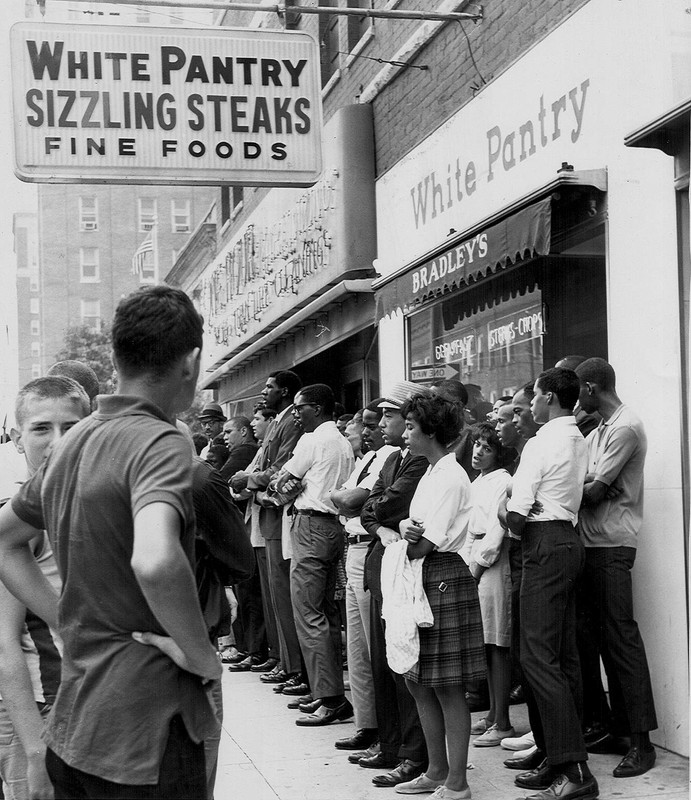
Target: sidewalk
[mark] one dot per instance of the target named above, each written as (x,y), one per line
(265,756)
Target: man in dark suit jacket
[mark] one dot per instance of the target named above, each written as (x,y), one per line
(281,436)
(400,734)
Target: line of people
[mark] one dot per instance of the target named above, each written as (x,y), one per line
(519,534)
(457,541)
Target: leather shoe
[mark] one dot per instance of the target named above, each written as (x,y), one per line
(275,676)
(379,761)
(372,750)
(265,666)
(405,771)
(296,702)
(361,740)
(325,715)
(295,687)
(635,762)
(562,788)
(526,763)
(309,707)
(539,778)
(245,665)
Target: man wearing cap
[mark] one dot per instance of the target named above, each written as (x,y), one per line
(403,749)
(211,419)
(322,461)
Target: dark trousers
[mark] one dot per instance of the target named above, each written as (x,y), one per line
(608,595)
(516,565)
(249,627)
(273,650)
(182,775)
(318,544)
(400,732)
(279,580)
(553,557)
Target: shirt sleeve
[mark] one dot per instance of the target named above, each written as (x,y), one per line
(302,458)
(527,479)
(621,445)
(163,474)
(26,503)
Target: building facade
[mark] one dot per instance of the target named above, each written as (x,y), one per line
(513,227)
(99,243)
(25,231)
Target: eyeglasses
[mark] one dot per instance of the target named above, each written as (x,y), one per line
(298,409)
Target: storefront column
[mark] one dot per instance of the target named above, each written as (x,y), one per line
(644,336)
(392,350)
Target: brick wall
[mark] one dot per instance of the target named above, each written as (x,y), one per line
(417,101)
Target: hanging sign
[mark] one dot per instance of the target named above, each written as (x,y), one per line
(156,105)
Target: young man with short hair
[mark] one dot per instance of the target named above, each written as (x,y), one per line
(115,499)
(45,409)
(551,473)
(609,522)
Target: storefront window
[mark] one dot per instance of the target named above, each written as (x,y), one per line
(493,350)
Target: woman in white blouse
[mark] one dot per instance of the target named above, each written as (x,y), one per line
(452,650)
(486,552)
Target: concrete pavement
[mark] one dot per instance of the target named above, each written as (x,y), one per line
(265,756)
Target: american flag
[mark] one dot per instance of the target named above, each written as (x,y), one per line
(139,257)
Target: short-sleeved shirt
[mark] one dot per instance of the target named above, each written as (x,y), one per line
(323,459)
(552,471)
(616,455)
(117,697)
(442,504)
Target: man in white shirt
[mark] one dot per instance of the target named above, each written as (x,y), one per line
(322,460)
(551,474)
(349,500)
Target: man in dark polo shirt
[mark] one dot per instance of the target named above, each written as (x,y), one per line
(114,496)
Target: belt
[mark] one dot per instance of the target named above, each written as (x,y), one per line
(356,538)
(312,512)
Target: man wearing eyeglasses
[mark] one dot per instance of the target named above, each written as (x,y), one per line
(322,461)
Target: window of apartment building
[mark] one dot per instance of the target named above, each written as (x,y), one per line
(88,214)
(89,265)
(180,216)
(232,199)
(147,213)
(34,305)
(33,281)
(35,349)
(35,327)
(358,26)
(328,42)
(35,371)
(91,313)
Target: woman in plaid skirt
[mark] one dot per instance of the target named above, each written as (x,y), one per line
(451,651)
